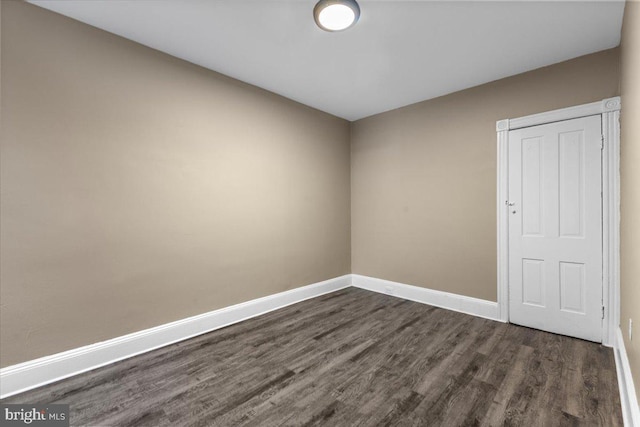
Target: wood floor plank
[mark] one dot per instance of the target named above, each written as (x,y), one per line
(352,358)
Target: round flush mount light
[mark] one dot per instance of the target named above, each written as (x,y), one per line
(336,15)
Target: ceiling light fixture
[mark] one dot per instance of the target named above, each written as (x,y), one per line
(336,15)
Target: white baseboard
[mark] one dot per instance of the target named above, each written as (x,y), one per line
(463,304)
(628,398)
(35,373)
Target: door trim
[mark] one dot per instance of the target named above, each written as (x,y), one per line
(609,110)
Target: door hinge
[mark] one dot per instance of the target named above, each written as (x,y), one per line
(603,312)
(602,142)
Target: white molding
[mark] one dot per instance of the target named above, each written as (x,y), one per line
(609,109)
(39,372)
(503,224)
(611,104)
(592,109)
(35,373)
(628,398)
(502,125)
(611,224)
(463,304)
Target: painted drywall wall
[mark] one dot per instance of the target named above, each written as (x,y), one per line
(630,185)
(138,189)
(423,177)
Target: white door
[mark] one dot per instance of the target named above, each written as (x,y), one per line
(555,227)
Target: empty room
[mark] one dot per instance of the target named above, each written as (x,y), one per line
(319,212)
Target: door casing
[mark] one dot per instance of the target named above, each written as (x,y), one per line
(609,110)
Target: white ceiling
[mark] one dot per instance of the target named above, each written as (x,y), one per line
(399,53)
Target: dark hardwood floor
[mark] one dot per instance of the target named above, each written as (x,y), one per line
(352,358)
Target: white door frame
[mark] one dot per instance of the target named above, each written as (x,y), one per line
(609,110)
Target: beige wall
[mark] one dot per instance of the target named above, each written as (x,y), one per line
(630,185)
(423,177)
(138,189)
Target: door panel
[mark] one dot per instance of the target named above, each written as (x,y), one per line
(532,201)
(571,183)
(555,227)
(533,282)
(572,287)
